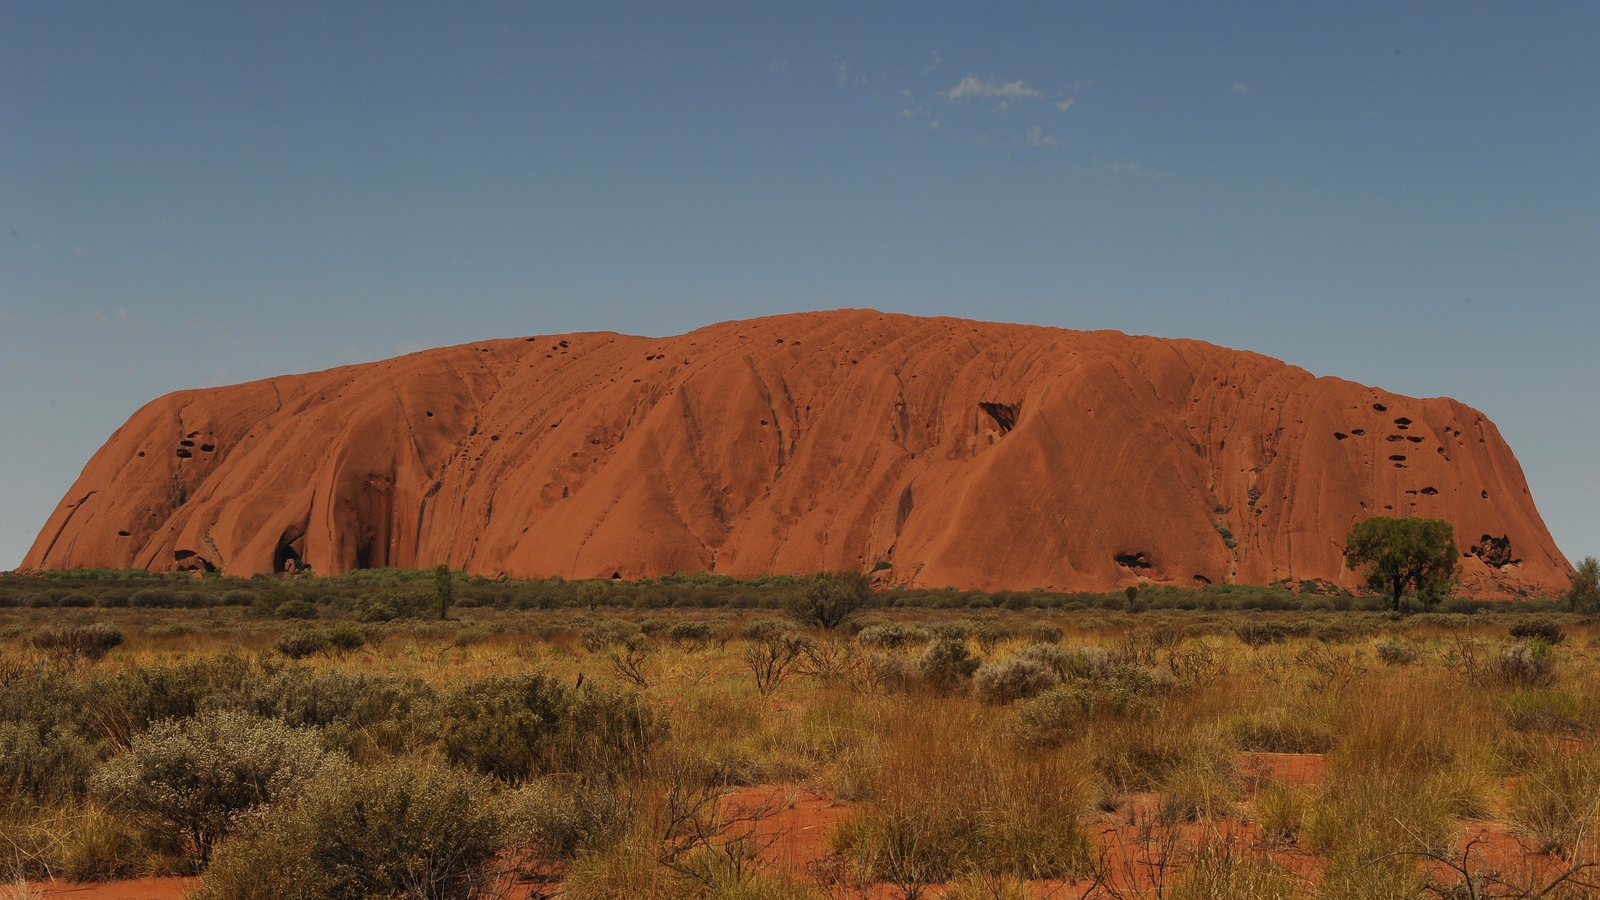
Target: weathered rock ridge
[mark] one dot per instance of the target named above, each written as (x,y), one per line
(980,455)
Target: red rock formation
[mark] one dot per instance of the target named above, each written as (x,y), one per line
(981,455)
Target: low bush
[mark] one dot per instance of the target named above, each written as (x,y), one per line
(608,633)
(1545,630)
(91,642)
(45,769)
(1014,679)
(1045,633)
(554,818)
(1530,664)
(303,642)
(690,632)
(519,727)
(947,664)
(892,636)
(200,777)
(1063,712)
(421,833)
(295,609)
(1395,653)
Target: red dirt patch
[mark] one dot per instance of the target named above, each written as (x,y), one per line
(134,889)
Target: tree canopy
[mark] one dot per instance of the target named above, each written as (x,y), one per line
(831,598)
(1584,592)
(1402,553)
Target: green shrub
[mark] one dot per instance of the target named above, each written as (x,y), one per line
(1063,712)
(302,642)
(1259,634)
(1530,664)
(829,599)
(554,818)
(45,769)
(1014,679)
(155,597)
(1542,629)
(690,632)
(238,598)
(518,727)
(1395,653)
(420,833)
(295,609)
(1045,633)
(892,636)
(947,664)
(199,777)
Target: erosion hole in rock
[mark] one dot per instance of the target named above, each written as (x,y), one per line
(1414,439)
(1402,421)
(1358,431)
(286,559)
(1002,415)
(208,448)
(902,510)
(123,533)
(1397,458)
(1339,435)
(1494,551)
(190,561)
(1201,579)
(1429,491)
(1395,437)
(1484,494)
(1136,560)
(183,453)
(1380,407)
(186,443)
(616,576)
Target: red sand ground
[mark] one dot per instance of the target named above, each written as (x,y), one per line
(963,453)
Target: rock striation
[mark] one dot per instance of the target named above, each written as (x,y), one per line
(981,455)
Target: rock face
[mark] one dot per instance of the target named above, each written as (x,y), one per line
(962,453)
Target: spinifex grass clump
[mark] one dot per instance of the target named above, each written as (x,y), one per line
(944,800)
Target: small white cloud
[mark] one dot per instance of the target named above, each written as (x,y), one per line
(913,112)
(1002,106)
(1038,138)
(934,124)
(970,86)
(1240,87)
(1127,168)
(934,64)
(122,314)
(841,71)
(1066,104)
(981,138)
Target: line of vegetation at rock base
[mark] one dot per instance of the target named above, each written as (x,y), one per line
(382,594)
(608,750)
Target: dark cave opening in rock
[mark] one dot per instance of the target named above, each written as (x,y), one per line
(1002,415)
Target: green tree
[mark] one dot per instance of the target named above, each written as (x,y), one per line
(592,594)
(444,587)
(829,599)
(1402,553)
(1584,592)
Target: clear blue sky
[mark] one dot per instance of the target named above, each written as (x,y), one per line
(1398,193)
